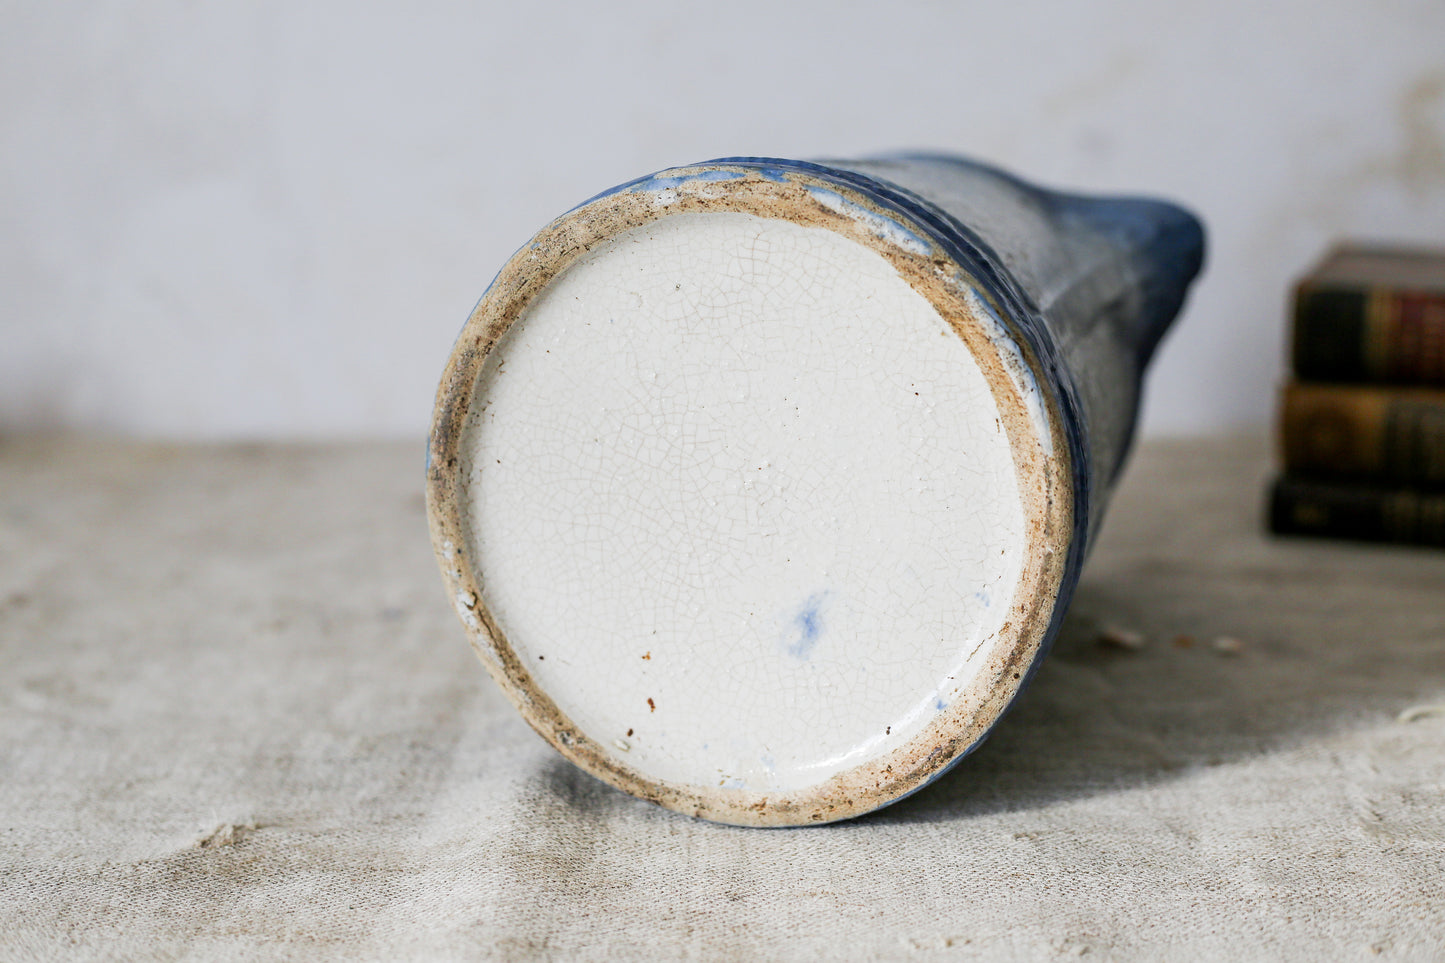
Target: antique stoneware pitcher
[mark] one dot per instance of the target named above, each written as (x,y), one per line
(761,486)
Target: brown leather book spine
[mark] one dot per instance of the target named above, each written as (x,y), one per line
(1407,337)
(1359,512)
(1363,432)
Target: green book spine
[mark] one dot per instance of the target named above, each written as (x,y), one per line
(1329,335)
(1363,512)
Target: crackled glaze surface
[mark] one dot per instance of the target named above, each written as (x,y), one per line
(762,485)
(743,501)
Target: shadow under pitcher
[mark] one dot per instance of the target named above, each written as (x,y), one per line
(761,486)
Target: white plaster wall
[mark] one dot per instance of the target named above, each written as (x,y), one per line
(268,218)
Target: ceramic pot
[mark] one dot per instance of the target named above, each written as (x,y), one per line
(761,486)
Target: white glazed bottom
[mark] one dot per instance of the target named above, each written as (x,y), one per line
(741,502)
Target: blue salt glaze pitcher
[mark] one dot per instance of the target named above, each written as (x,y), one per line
(761,486)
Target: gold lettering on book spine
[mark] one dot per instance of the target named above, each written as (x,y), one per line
(1381,331)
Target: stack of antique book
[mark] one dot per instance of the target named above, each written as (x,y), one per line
(1362,421)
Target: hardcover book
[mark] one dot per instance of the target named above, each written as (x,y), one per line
(1364,432)
(1372,313)
(1354,511)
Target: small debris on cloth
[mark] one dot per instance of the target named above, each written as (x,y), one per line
(934,943)
(1183,641)
(1227,645)
(226,834)
(1416,713)
(1120,638)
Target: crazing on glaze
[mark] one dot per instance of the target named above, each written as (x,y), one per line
(742,498)
(761,486)
(748,499)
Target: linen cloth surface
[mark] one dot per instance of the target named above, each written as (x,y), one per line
(238,720)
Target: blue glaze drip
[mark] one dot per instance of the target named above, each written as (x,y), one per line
(887,227)
(664,182)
